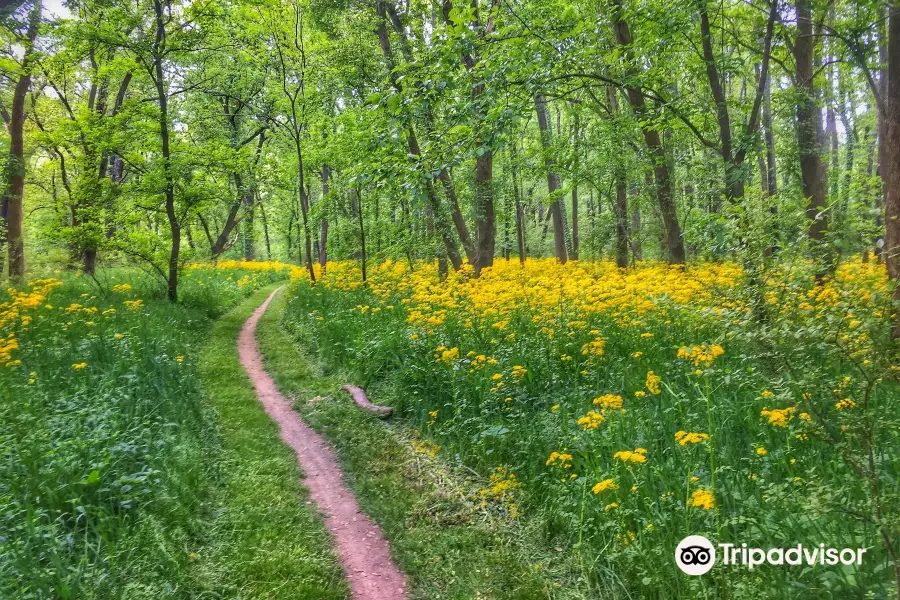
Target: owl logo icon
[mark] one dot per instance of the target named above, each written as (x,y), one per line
(695,555)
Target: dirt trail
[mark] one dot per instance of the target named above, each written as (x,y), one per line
(360,544)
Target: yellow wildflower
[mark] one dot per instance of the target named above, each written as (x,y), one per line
(606,484)
(652,383)
(702,499)
(684,438)
(592,420)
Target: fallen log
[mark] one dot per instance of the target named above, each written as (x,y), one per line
(359,397)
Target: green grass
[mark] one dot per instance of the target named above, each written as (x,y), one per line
(448,548)
(122,476)
(266,540)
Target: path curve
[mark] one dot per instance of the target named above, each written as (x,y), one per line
(362,549)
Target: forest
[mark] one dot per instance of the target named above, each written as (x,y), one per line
(614,273)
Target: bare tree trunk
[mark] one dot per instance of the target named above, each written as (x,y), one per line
(485,218)
(443,229)
(459,222)
(116,164)
(831,134)
(870,198)
(559,233)
(377,224)
(592,218)
(621,212)
(763,175)
(290,234)
(221,242)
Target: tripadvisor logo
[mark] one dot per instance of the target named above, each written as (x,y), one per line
(696,555)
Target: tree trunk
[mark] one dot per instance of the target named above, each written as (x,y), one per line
(163,100)
(592,219)
(733,157)
(485,219)
(304,209)
(847,113)
(116,177)
(12,210)
(809,130)
(620,174)
(265,221)
(116,164)
(221,242)
(507,228)
(520,211)
(882,113)
(891,253)
(769,134)
(637,250)
(664,189)
(323,233)
(733,180)
(459,222)
(831,135)
(249,228)
(559,233)
(576,242)
(621,213)
(362,233)
(290,235)
(443,229)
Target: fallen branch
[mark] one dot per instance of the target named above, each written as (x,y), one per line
(359,397)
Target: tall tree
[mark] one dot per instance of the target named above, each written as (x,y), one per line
(665,192)
(620,180)
(485,218)
(734,153)
(286,32)
(809,128)
(11,202)
(891,253)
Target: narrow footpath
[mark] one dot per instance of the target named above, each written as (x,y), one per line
(360,544)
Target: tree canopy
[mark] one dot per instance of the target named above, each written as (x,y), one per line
(164,131)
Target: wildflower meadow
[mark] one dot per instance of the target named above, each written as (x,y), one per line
(630,409)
